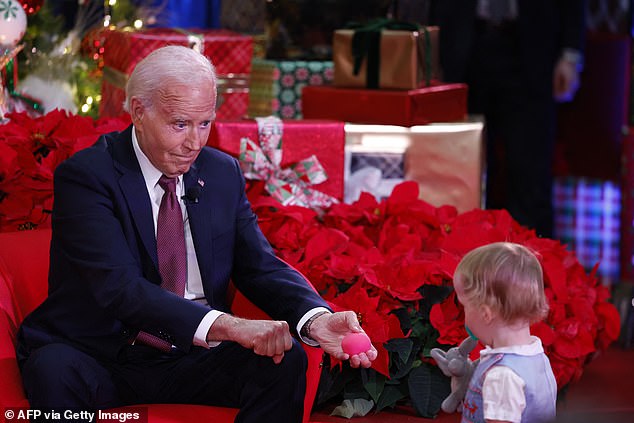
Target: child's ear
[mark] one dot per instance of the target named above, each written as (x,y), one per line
(487,314)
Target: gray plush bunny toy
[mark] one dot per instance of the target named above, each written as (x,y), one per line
(455,363)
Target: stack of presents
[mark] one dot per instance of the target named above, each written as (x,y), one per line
(368,101)
(371,118)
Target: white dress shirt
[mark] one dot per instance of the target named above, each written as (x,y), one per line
(194,287)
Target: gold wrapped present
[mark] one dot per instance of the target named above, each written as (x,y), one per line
(446,159)
(386,58)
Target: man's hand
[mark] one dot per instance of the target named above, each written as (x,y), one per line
(269,338)
(565,80)
(329,329)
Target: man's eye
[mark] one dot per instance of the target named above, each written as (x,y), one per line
(180,125)
(205,124)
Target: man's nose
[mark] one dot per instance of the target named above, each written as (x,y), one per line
(195,139)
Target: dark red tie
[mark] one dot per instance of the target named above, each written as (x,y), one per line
(172,254)
(170,240)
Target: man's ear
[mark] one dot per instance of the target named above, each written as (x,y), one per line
(137,110)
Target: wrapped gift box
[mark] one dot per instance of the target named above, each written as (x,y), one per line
(440,103)
(230,53)
(445,159)
(275,87)
(390,59)
(301,139)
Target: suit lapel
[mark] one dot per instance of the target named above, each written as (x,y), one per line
(200,216)
(135,192)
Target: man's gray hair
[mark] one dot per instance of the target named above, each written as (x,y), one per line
(167,65)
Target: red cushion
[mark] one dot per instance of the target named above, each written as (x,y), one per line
(24,258)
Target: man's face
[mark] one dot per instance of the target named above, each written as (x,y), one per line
(175,128)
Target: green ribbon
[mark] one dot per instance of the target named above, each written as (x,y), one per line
(426,56)
(366,44)
(12,76)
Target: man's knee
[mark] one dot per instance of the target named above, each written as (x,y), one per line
(292,367)
(58,375)
(294,362)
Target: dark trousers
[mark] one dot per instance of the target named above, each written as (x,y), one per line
(519,128)
(58,376)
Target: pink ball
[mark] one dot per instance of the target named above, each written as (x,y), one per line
(355,343)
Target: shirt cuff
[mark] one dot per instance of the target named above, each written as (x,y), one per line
(310,313)
(573,56)
(200,336)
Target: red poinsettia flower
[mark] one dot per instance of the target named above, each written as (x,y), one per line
(31,149)
(448,318)
(380,327)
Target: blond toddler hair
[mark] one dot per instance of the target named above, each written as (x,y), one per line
(508,278)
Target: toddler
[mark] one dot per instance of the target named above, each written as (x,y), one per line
(501,288)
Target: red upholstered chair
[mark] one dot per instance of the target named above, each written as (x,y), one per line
(23,285)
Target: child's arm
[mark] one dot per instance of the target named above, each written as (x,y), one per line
(503,395)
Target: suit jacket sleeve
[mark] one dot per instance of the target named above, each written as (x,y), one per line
(239,249)
(573,16)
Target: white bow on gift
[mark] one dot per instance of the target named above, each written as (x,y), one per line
(291,185)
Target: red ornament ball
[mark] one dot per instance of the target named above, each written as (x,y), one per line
(31,7)
(356,343)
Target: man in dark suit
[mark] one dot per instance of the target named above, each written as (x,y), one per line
(518,57)
(111,331)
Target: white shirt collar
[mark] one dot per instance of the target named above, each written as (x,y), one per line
(535,347)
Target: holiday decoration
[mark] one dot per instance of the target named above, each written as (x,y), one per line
(275,87)
(31,7)
(30,150)
(439,103)
(229,51)
(302,138)
(289,186)
(12,23)
(386,54)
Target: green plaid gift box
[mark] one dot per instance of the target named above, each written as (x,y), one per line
(276,86)
(587,219)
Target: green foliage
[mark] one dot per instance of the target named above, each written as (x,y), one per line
(413,380)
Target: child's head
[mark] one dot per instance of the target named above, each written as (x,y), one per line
(506,278)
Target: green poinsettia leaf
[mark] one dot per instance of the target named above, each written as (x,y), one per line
(390,396)
(402,348)
(351,408)
(373,382)
(331,382)
(428,387)
(353,388)
(400,368)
